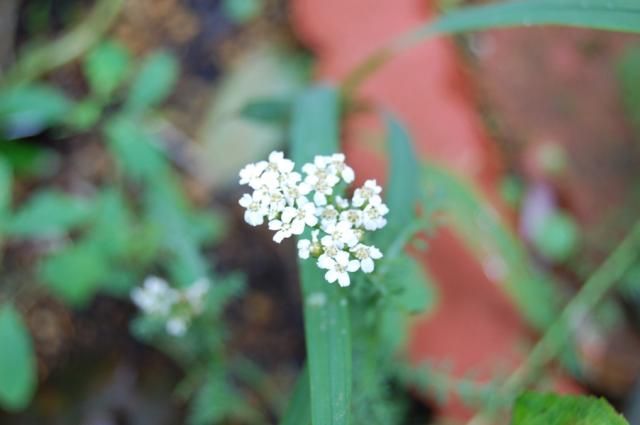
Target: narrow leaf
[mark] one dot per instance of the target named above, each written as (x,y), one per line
(154,82)
(401,192)
(614,15)
(17,361)
(299,409)
(314,131)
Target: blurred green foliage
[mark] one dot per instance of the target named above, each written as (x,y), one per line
(108,240)
(552,409)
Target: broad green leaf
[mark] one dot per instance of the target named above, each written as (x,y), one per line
(315,131)
(6,183)
(48,213)
(615,15)
(74,273)
(499,251)
(402,189)
(628,81)
(299,409)
(417,292)
(557,237)
(267,110)
(553,409)
(17,361)
(29,160)
(154,82)
(27,110)
(133,149)
(242,11)
(106,67)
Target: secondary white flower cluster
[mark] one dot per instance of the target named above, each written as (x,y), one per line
(290,202)
(176,307)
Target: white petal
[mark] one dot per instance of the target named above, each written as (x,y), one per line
(245,200)
(331,276)
(326,262)
(297,227)
(288,213)
(275,225)
(367,265)
(319,198)
(348,175)
(353,266)
(343,279)
(374,253)
(253,218)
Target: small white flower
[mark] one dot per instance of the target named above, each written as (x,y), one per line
(176,326)
(342,203)
(353,216)
(277,162)
(251,173)
(285,230)
(342,169)
(304,213)
(338,268)
(369,192)
(155,296)
(276,203)
(328,215)
(373,216)
(296,193)
(339,235)
(365,255)
(255,209)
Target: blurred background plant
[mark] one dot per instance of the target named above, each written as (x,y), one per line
(131,291)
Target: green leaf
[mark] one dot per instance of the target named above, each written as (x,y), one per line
(615,15)
(628,72)
(74,273)
(417,291)
(267,110)
(6,183)
(133,149)
(242,11)
(106,67)
(552,409)
(154,82)
(402,190)
(500,251)
(557,237)
(30,160)
(49,213)
(17,361)
(315,131)
(27,110)
(299,410)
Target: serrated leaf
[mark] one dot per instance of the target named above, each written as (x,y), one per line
(106,67)
(48,213)
(553,409)
(27,110)
(17,361)
(154,82)
(315,131)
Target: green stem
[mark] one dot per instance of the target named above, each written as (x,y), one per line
(557,336)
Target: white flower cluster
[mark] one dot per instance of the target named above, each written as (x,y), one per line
(176,307)
(291,202)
